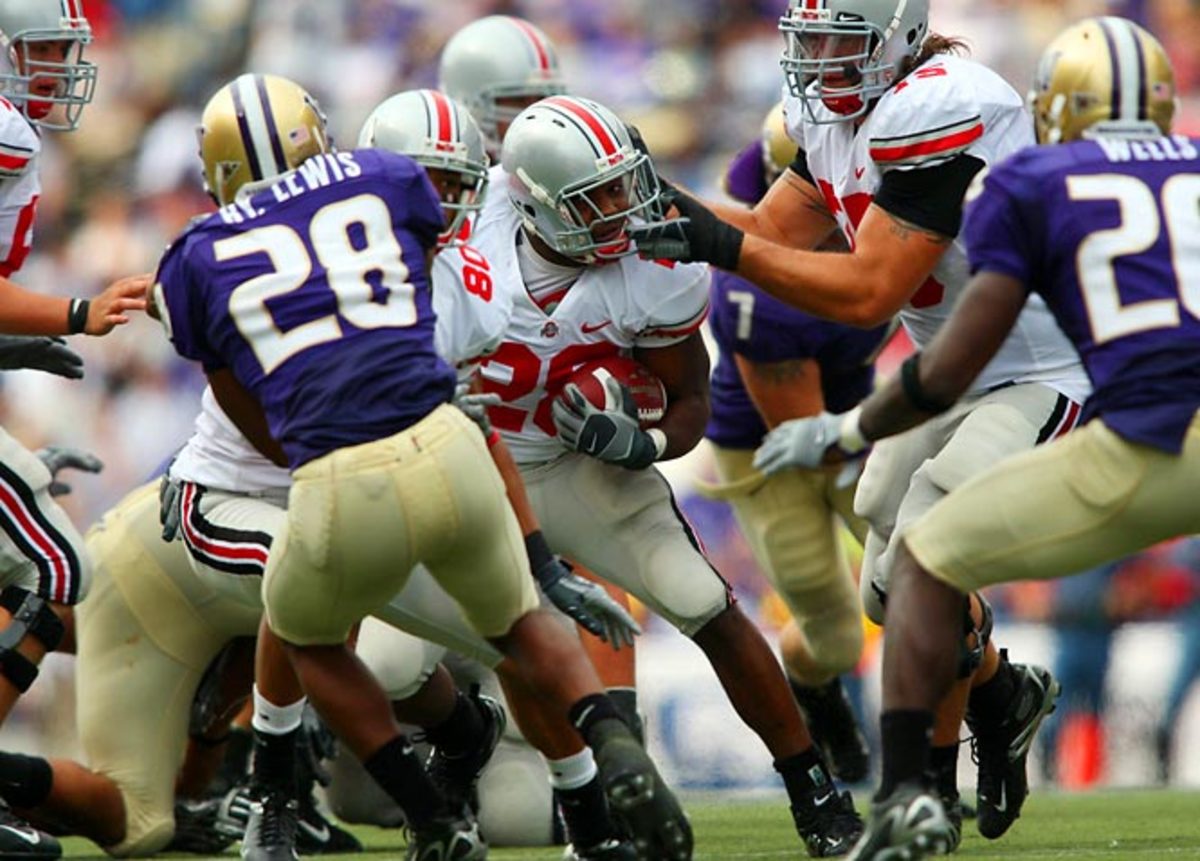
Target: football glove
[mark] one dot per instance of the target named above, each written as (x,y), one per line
(810,442)
(170,506)
(475,404)
(696,236)
(588,604)
(614,436)
(59,457)
(51,355)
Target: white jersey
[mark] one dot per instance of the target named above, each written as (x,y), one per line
(472,314)
(20,186)
(610,309)
(945,107)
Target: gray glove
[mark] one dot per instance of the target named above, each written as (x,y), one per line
(170,506)
(475,404)
(59,457)
(40,353)
(615,436)
(802,443)
(588,604)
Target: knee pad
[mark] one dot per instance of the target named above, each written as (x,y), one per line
(971,655)
(31,615)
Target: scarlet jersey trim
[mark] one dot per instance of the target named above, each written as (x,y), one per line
(677,330)
(941,142)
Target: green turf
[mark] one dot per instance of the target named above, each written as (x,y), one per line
(1145,825)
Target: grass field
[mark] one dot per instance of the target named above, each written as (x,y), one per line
(1141,825)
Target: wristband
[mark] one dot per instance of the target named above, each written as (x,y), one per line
(850,436)
(77,316)
(660,442)
(910,380)
(538,551)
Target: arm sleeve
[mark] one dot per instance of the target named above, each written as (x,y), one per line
(184,315)
(1002,231)
(679,303)
(930,197)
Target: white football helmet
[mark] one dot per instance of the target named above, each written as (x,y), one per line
(438,133)
(34,75)
(498,57)
(576,178)
(845,53)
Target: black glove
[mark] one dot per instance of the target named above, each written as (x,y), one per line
(696,236)
(59,457)
(615,436)
(40,353)
(584,601)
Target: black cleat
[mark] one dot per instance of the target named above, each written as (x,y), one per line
(609,850)
(316,835)
(271,829)
(829,825)
(639,799)
(954,815)
(447,838)
(19,839)
(907,825)
(456,776)
(1000,749)
(196,828)
(834,728)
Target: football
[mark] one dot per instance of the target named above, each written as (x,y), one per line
(648,391)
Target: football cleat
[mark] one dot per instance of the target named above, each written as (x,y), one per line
(834,728)
(19,839)
(456,776)
(271,829)
(196,828)
(907,825)
(608,850)
(315,834)
(1000,749)
(954,815)
(829,825)
(447,838)
(639,799)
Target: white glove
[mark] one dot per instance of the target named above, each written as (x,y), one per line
(806,442)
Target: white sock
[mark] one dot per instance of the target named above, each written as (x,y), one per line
(573,771)
(276,720)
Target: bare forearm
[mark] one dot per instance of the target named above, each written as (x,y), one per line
(23,312)
(683,425)
(514,486)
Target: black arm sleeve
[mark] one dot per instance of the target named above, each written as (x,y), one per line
(929,197)
(799,166)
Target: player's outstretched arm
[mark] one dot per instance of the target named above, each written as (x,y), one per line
(791,213)
(23,312)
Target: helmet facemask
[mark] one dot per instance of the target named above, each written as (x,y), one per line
(845,61)
(461,188)
(587,220)
(47,69)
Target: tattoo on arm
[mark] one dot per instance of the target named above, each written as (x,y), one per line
(811,201)
(904,229)
(779,373)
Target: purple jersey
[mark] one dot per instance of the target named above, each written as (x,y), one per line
(1108,232)
(748,322)
(315,293)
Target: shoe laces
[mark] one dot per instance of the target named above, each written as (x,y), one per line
(278,821)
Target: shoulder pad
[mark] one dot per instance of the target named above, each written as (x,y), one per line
(928,117)
(19,143)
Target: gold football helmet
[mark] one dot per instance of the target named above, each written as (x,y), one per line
(1103,76)
(778,150)
(256,128)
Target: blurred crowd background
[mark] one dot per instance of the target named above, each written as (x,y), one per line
(696,76)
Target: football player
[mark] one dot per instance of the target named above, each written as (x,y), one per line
(497,66)
(776,363)
(892,125)
(1101,224)
(575,182)
(44,83)
(385,472)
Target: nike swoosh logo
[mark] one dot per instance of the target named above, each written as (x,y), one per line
(27,834)
(859,171)
(588,328)
(1002,804)
(321,835)
(819,802)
